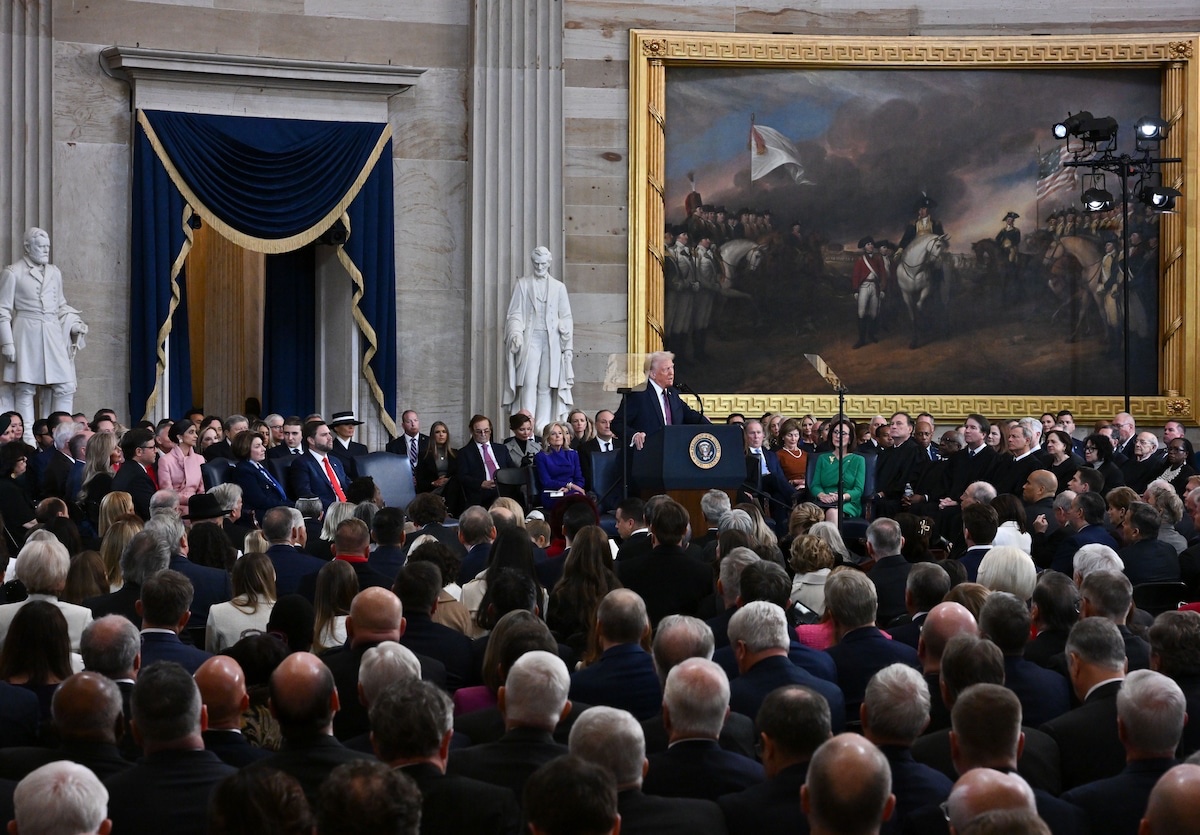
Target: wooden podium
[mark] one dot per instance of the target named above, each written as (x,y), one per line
(685,461)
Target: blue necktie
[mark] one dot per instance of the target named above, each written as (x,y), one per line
(271,478)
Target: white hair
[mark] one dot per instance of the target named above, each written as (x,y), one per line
(60,798)
(760,625)
(1005,568)
(732,565)
(42,565)
(1095,557)
(535,691)
(384,664)
(696,698)
(897,700)
(612,739)
(1153,710)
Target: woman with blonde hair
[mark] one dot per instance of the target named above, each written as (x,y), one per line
(112,507)
(581,429)
(250,608)
(255,543)
(833,538)
(558,466)
(100,460)
(335,514)
(113,545)
(336,586)
(811,559)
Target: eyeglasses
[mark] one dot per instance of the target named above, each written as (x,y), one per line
(148,446)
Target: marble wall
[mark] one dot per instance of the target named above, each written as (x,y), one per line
(435,273)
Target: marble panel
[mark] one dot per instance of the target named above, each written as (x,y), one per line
(430,120)
(596,191)
(597,278)
(596,220)
(594,162)
(431,293)
(89,106)
(590,103)
(590,73)
(91,247)
(455,12)
(597,249)
(609,134)
(295,7)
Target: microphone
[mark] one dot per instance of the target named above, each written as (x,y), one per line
(686,389)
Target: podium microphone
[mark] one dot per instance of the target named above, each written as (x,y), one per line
(686,389)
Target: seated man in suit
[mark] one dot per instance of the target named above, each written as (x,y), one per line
(63,794)
(169,788)
(294,570)
(792,723)
(1151,711)
(387,531)
(624,674)
(145,554)
(210,586)
(1086,520)
(352,544)
(1174,805)
(137,445)
(695,704)
(646,412)
(418,586)
(848,787)
(570,794)
(766,483)
(668,579)
(1054,609)
(532,699)
(1173,641)
(317,472)
(860,649)
(760,638)
(411,725)
(890,571)
(1044,694)
(1108,594)
(478,462)
(980,523)
(293,440)
(632,529)
(944,622)
(223,690)
(924,588)
(164,607)
(1147,558)
(304,700)
(1087,736)
(613,740)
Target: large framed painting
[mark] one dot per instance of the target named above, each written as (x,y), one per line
(902,208)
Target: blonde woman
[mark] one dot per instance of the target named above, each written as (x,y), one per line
(558,466)
(250,608)
(113,507)
(812,559)
(113,545)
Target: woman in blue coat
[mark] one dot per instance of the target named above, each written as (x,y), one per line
(557,465)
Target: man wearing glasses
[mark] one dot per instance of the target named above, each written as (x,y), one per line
(478,462)
(137,476)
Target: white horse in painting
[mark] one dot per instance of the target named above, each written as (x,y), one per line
(914,275)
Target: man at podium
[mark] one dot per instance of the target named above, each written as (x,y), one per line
(647,412)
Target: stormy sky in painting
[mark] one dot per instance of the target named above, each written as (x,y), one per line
(872,140)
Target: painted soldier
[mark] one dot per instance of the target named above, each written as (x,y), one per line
(868,282)
(1008,241)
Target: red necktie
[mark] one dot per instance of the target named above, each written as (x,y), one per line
(489,463)
(333,480)
(153,475)
(666,408)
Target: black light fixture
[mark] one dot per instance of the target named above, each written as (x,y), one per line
(1097,200)
(1160,198)
(1103,129)
(1070,125)
(1151,129)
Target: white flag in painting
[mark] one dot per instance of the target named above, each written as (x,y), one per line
(769,149)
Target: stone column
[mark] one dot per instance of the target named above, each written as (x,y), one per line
(26,114)
(516,153)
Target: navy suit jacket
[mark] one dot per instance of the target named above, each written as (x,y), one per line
(1044,694)
(508,761)
(769,807)
(1150,561)
(1065,555)
(209,585)
(132,479)
(861,654)
(123,601)
(748,690)
(1089,748)
(475,561)
(642,814)
(166,646)
(387,560)
(233,748)
(165,792)
(915,785)
(472,473)
(259,493)
(890,576)
(623,677)
(700,768)
(399,446)
(453,805)
(20,714)
(670,581)
(309,479)
(424,637)
(292,567)
(971,560)
(642,412)
(1116,805)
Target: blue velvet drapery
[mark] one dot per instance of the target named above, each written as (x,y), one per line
(269,185)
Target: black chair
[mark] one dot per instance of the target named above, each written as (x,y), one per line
(392,474)
(605,481)
(215,472)
(1156,598)
(279,468)
(514,483)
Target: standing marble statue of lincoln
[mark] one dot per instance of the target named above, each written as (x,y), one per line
(539,336)
(39,332)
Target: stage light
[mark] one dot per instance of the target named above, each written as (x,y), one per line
(1097,200)
(1150,129)
(1070,125)
(1098,130)
(1159,198)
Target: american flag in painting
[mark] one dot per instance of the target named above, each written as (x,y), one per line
(1052,177)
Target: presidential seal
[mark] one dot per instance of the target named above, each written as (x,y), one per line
(705,451)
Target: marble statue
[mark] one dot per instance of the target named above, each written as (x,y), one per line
(39,332)
(538,334)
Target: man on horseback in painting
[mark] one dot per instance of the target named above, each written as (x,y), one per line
(868,281)
(924,223)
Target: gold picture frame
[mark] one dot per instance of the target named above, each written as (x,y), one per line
(1175,55)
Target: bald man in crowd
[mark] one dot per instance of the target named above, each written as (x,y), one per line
(945,620)
(849,788)
(1174,803)
(983,790)
(223,691)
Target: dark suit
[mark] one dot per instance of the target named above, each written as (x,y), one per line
(221,449)
(508,761)
(310,759)
(343,662)
(132,479)
(814,661)
(457,805)
(1045,646)
(166,646)
(1044,694)
(638,545)
(1150,561)
(260,492)
(769,807)
(399,446)
(861,654)
(475,561)
(487,725)
(1089,749)
(210,586)
(642,412)
(890,575)
(1060,816)
(120,602)
(292,567)
(387,560)
(700,768)
(737,735)
(165,792)
(472,473)
(748,690)
(233,748)
(1042,507)
(915,784)
(1065,555)
(309,478)
(453,649)
(643,814)
(908,632)
(54,477)
(1039,763)
(623,677)
(668,580)
(346,454)
(971,560)
(446,535)
(102,758)
(283,451)
(1116,805)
